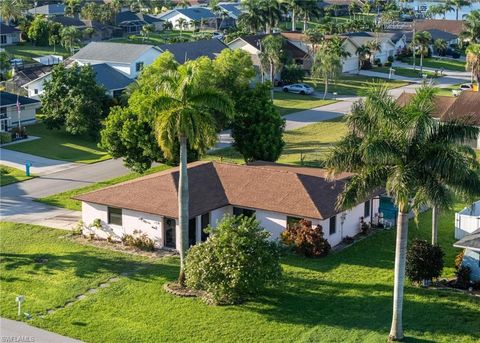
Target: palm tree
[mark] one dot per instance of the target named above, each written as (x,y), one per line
(252,18)
(447,7)
(180,24)
(364,54)
(473,62)
(315,37)
(434,10)
(374,46)
(184,109)
(116,7)
(295,7)
(309,10)
(441,46)
(11,9)
(270,12)
(69,37)
(145,31)
(471,24)
(423,40)
(271,55)
(409,154)
(459,4)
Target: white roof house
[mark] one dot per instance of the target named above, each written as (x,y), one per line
(190,15)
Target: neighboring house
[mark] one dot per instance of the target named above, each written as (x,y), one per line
(340,7)
(49,10)
(465,108)
(387,47)
(274,194)
(31,79)
(467,229)
(111,79)
(399,38)
(102,31)
(194,16)
(349,64)
(192,50)
(9,114)
(252,44)
(452,26)
(450,38)
(228,14)
(128,59)
(8,35)
(133,22)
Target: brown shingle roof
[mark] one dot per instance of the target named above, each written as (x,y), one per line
(302,192)
(452,26)
(465,107)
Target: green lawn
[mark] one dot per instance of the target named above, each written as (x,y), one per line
(405,72)
(353,84)
(10,175)
(289,103)
(27,51)
(156,38)
(309,143)
(439,63)
(65,200)
(345,297)
(60,145)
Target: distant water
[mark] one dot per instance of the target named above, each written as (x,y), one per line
(423,6)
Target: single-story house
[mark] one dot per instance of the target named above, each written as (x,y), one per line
(449,37)
(111,79)
(252,45)
(191,15)
(48,10)
(471,255)
(398,37)
(465,107)
(9,114)
(452,26)
(232,9)
(102,31)
(133,22)
(274,194)
(128,59)
(340,7)
(8,35)
(32,78)
(192,50)
(387,47)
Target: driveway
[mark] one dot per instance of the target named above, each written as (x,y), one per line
(14,331)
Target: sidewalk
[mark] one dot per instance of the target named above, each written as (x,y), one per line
(385,76)
(39,165)
(465,75)
(13,331)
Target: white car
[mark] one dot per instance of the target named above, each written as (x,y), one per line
(299,88)
(217,35)
(466,87)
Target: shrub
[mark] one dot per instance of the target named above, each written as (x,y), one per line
(388,64)
(378,62)
(463,277)
(459,260)
(139,240)
(235,263)
(5,137)
(292,73)
(424,261)
(390,59)
(305,239)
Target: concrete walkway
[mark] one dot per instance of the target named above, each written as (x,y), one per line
(14,331)
(39,165)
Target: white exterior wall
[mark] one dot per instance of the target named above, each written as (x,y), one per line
(11,38)
(241,44)
(37,85)
(27,114)
(217,215)
(147,58)
(467,220)
(173,17)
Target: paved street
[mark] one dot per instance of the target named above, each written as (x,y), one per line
(39,165)
(14,331)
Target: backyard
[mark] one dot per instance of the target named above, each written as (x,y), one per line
(439,63)
(27,51)
(60,145)
(287,103)
(10,175)
(344,297)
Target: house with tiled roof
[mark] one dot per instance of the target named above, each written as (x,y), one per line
(274,194)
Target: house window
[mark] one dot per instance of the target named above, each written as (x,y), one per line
(114,216)
(292,221)
(35,90)
(238,211)
(3,39)
(138,66)
(192,231)
(333,225)
(205,222)
(366,211)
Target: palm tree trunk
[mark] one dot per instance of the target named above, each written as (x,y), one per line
(396,331)
(456,13)
(326,88)
(294,27)
(421,62)
(183,200)
(413,55)
(435,216)
(304,24)
(272,77)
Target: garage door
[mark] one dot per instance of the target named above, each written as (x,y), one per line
(350,65)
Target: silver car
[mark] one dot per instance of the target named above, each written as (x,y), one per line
(299,88)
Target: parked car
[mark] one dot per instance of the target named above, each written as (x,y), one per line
(299,88)
(217,35)
(466,87)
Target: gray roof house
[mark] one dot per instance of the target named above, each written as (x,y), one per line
(192,50)
(471,255)
(110,78)
(133,22)
(190,15)
(233,9)
(8,35)
(48,10)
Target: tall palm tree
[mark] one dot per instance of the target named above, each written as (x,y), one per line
(69,37)
(271,13)
(184,109)
(295,7)
(458,4)
(471,24)
(435,10)
(271,55)
(315,37)
(441,46)
(447,7)
(423,40)
(11,9)
(473,62)
(374,46)
(251,18)
(406,152)
(309,10)
(181,24)
(364,53)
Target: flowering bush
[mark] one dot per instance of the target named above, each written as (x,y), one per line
(305,239)
(235,263)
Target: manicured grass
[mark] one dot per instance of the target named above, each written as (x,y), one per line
(309,144)
(10,175)
(155,38)
(447,91)
(289,103)
(65,200)
(439,63)
(353,84)
(27,51)
(60,145)
(405,72)
(344,297)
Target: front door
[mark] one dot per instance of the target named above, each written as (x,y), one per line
(169,227)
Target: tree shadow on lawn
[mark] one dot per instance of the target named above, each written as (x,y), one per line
(367,307)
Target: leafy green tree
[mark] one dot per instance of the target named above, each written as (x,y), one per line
(39,31)
(292,73)
(72,7)
(90,11)
(73,99)
(54,34)
(235,263)
(257,128)
(146,30)
(405,151)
